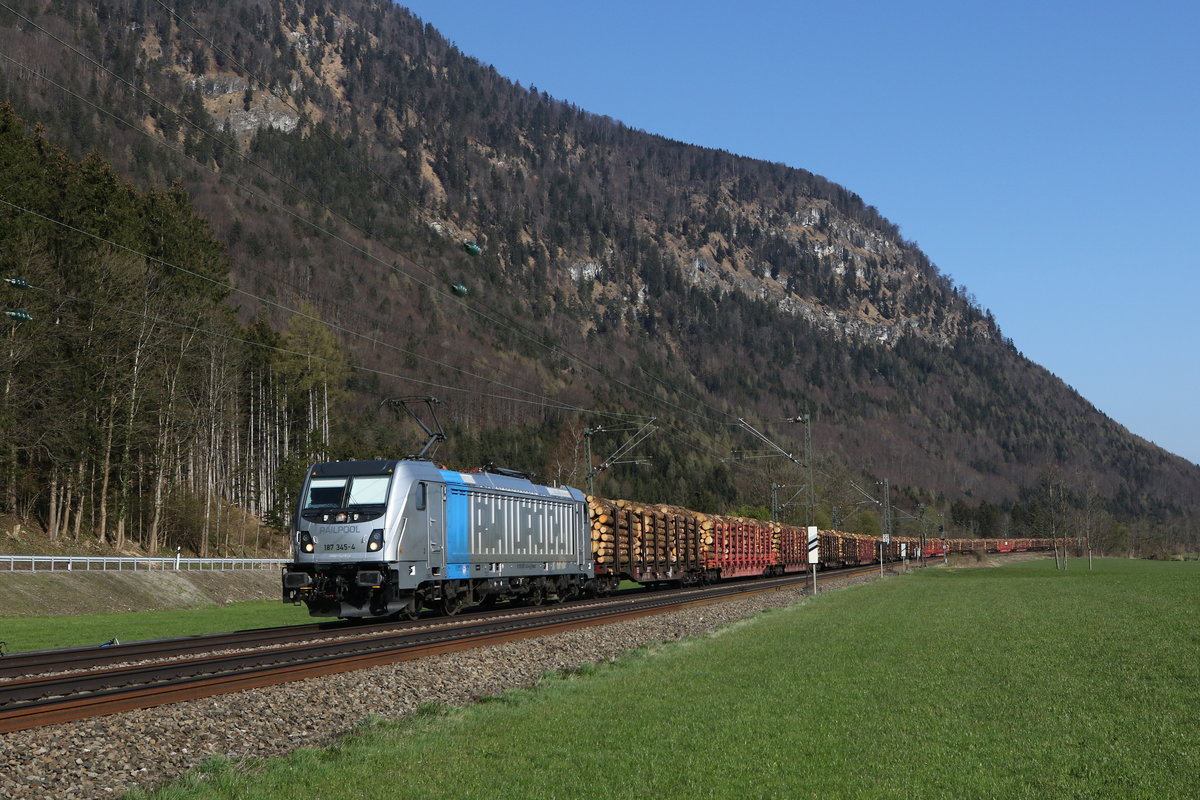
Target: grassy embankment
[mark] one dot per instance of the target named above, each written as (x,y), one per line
(1019,682)
(49,632)
(22,634)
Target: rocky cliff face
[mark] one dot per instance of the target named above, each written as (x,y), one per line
(377,78)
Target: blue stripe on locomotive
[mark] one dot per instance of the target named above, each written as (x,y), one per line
(458,555)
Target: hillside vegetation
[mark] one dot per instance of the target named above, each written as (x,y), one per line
(302,180)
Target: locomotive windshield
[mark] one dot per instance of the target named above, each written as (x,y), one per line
(347,492)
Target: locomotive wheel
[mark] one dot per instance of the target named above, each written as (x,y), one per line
(450,604)
(559,591)
(410,611)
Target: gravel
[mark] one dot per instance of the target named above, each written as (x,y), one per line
(108,756)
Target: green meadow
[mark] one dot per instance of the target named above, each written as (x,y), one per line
(1015,682)
(23,634)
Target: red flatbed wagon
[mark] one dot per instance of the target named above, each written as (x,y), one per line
(742,547)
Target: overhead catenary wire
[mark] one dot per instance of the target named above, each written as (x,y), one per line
(538,401)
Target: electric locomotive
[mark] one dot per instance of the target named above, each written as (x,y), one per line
(390,537)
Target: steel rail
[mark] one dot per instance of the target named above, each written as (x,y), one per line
(74,658)
(36,662)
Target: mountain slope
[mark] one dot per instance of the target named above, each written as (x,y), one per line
(343,152)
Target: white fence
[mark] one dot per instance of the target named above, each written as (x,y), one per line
(109,563)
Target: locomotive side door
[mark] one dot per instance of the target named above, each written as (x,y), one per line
(436,517)
(453,531)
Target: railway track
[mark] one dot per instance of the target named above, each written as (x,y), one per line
(77,690)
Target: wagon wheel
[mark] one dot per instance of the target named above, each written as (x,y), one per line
(537,594)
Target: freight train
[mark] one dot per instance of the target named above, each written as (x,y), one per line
(393,537)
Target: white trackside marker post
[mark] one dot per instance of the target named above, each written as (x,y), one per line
(887,539)
(813,553)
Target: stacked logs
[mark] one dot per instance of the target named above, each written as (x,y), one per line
(793,546)
(602,513)
(649,540)
(662,542)
(836,548)
(745,546)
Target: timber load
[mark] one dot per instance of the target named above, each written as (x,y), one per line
(649,543)
(659,543)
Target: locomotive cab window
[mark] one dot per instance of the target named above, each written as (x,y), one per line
(326,492)
(422,495)
(347,492)
(368,491)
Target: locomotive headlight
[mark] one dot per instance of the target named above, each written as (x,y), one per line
(307,543)
(375,542)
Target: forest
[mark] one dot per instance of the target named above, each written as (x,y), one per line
(135,409)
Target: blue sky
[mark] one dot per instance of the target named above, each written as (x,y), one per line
(1043,154)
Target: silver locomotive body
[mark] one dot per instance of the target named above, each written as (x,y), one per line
(375,538)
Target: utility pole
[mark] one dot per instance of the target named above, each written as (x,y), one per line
(588,433)
(887,511)
(811,489)
(809,485)
(634,440)
(924,532)
(942,535)
(887,523)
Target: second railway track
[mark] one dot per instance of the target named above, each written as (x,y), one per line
(278,655)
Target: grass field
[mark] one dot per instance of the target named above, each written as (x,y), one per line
(22,634)
(1018,682)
